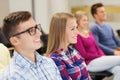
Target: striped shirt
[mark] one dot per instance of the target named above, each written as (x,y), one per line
(21,68)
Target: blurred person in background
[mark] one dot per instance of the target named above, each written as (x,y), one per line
(4,57)
(88,48)
(102,31)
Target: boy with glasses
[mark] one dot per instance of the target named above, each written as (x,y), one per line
(24,34)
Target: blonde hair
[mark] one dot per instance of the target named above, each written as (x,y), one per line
(57,31)
(79,14)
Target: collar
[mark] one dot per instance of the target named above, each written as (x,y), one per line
(25,62)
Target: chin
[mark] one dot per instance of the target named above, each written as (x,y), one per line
(74,42)
(38,46)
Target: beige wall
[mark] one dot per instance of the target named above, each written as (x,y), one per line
(4,9)
(45,8)
(113,16)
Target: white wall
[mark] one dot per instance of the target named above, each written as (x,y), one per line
(44,9)
(90,2)
(4,7)
(19,5)
(78,3)
(41,13)
(7,6)
(59,6)
(40,8)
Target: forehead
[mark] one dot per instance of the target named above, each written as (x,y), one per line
(26,24)
(84,16)
(71,22)
(100,9)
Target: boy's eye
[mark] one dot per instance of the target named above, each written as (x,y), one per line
(31,30)
(77,27)
(72,29)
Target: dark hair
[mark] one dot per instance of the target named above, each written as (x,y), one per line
(94,8)
(11,22)
(3,39)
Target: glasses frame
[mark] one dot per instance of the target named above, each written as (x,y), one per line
(38,26)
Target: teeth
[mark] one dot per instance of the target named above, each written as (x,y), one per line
(37,40)
(75,37)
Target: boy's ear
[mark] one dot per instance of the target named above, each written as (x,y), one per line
(14,41)
(95,15)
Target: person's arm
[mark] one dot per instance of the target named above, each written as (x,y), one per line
(116,39)
(82,51)
(107,50)
(5,57)
(13,77)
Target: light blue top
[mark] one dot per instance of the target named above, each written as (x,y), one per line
(21,68)
(105,37)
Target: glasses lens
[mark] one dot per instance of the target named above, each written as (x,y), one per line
(32,31)
(39,27)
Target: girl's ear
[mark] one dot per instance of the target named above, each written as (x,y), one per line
(14,41)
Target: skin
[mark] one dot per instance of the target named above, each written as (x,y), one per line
(100,18)
(83,22)
(24,43)
(71,32)
(83,26)
(101,15)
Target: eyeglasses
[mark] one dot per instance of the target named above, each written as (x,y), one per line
(31,31)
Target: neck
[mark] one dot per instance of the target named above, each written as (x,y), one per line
(84,32)
(28,54)
(82,28)
(31,57)
(100,22)
(63,46)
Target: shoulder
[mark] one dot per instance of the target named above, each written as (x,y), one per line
(47,59)
(14,68)
(58,56)
(55,54)
(4,56)
(2,46)
(108,26)
(94,25)
(49,62)
(11,74)
(3,49)
(12,77)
